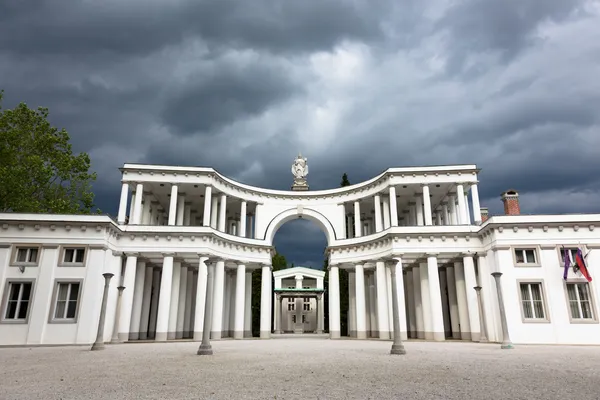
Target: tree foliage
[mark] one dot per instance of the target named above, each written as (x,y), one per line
(345,181)
(38,171)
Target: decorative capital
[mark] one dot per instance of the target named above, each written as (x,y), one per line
(477,288)
(496,274)
(131,254)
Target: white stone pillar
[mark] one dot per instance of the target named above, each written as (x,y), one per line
(189,304)
(334,302)
(412,213)
(410,301)
(187,213)
(461,299)
(265,302)
(180,209)
(137,209)
(427,205)
(454,219)
(145,319)
(386,213)
(382,301)
(138,298)
(156,280)
(199,309)
(240,299)
(132,205)
(396,268)
(445,214)
(299,280)
(445,304)
(123,203)
(222,213)
(438,217)
(146,207)
(453,302)
(248,306)
(219,295)
(127,297)
(243,218)
(467,212)
(351,304)
(227,304)
(460,195)
(419,210)
(419,312)
(472,304)
(388,284)
(164,300)
(378,219)
(183,283)
(426,301)
(207,204)
(174,304)
(357,222)
(437,317)
(214,216)
(393,207)
(476,205)
(173,205)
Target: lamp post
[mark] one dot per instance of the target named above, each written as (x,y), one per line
(205,348)
(99,343)
(506,343)
(482,337)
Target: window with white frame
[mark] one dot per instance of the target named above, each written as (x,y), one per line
(580,303)
(525,256)
(74,255)
(532,301)
(307,307)
(66,300)
(27,255)
(571,253)
(18,301)
(291,307)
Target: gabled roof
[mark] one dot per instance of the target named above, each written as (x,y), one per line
(292,272)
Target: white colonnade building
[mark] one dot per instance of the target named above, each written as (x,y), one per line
(424,224)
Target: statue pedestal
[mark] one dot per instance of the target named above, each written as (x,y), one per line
(300,185)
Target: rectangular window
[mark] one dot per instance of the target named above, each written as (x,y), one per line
(525,256)
(74,255)
(306,307)
(307,299)
(67,298)
(291,307)
(580,303)
(294,319)
(27,255)
(291,300)
(532,301)
(18,300)
(303,318)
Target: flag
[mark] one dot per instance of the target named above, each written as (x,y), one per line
(567,257)
(581,265)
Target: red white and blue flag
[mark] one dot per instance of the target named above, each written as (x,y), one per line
(579,266)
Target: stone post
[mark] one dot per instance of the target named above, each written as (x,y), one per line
(205,348)
(280,324)
(115,335)
(506,343)
(397,346)
(99,343)
(482,335)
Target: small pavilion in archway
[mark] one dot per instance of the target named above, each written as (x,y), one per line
(298,298)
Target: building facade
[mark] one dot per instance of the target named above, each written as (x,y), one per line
(425,225)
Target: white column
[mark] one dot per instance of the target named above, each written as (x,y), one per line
(472,304)
(410,301)
(243,217)
(382,301)
(426,301)
(351,304)
(460,195)
(265,302)
(393,207)
(189,301)
(222,213)
(454,219)
(461,299)
(137,209)
(214,216)
(173,205)
(164,299)
(127,297)
(437,317)
(123,203)
(427,205)
(138,298)
(386,213)
(419,210)
(453,302)
(146,303)
(132,206)
(378,218)
(445,214)
(207,204)
(180,209)
(187,212)
(154,303)
(183,276)
(174,304)
(467,212)
(419,316)
(475,201)
(357,222)
(439,218)
(248,306)
(388,284)
(445,304)
(334,302)
(218,297)
(240,299)
(200,298)
(396,268)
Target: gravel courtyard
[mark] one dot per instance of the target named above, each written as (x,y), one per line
(301,369)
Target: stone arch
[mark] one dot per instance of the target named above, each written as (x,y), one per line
(296,213)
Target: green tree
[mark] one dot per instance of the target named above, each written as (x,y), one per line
(345,181)
(38,171)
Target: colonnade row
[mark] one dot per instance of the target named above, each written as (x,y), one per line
(169,301)
(452,210)
(211,211)
(434,302)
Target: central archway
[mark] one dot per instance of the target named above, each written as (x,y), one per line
(300,213)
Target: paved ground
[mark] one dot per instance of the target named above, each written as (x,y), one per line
(301,369)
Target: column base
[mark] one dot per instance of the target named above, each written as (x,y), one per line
(398,349)
(386,335)
(160,337)
(335,334)
(361,334)
(319,331)
(475,336)
(420,335)
(456,335)
(413,334)
(123,337)
(465,335)
(483,340)
(439,336)
(215,335)
(506,346)
(238,335)
(134,336)
(143,335)
(265,334)
(171,335)
(205,350)
(197,336)
(247,334)
(179,335)
(404,335)
(98,346)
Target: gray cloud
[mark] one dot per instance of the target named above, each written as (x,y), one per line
(355,86)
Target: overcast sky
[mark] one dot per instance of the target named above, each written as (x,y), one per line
(356,85)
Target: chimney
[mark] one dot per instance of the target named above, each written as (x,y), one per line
(510,198)
(484,214)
